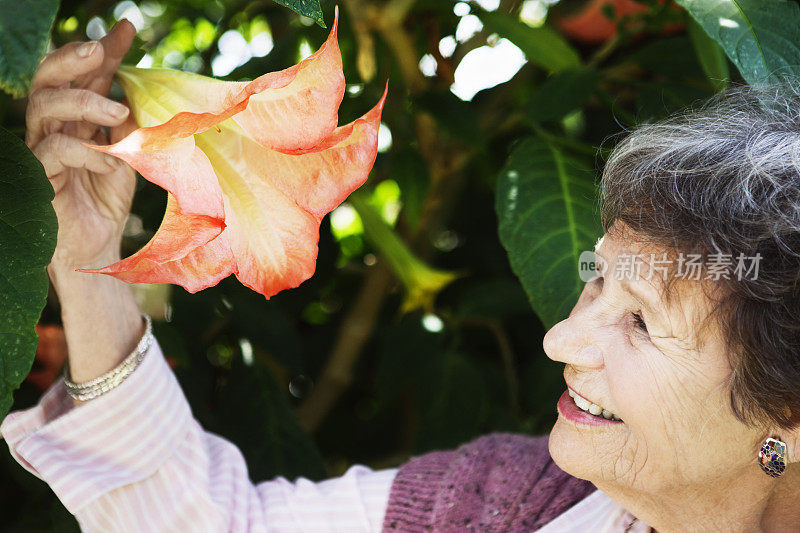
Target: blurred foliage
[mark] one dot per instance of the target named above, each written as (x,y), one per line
(332,373)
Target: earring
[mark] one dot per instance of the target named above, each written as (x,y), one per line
(772,457)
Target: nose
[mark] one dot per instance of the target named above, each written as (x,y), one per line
(574,340)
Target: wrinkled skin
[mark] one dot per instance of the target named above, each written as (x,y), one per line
(681,461)
(66,107)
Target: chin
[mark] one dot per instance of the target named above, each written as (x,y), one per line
(573,451)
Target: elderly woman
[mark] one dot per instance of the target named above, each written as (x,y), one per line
(682,395)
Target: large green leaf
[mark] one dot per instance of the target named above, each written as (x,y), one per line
(710,55)
(307,8)
(761,37)
(28,230)
(24,29)
(542,46)
(545,207)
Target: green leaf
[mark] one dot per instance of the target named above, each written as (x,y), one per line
(28,229)
(710,55)
(761,37)
(562,93)
(307,8)
(658,100)
(543,46)
(545,207)
(24,30)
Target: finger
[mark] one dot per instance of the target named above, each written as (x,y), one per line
(67,63)
(56,106)
(100,138)
(116,44)
(117,133)
(58,152)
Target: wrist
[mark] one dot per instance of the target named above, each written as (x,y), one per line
(102,323)
(63,274)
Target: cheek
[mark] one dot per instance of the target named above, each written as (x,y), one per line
(681,428)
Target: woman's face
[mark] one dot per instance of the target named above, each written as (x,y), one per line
(665,379)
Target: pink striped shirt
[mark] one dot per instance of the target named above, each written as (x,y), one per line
(135,459)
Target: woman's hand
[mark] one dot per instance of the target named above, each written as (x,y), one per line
(93,197)
(93,191)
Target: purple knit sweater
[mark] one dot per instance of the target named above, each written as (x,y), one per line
(501,482)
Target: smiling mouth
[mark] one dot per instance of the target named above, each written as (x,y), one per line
(592,408)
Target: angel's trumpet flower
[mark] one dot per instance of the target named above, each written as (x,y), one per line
(250,169)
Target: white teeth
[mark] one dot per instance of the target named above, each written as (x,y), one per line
(592,408)
(582,403)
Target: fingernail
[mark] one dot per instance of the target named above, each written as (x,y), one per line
(115,109)
(86,49)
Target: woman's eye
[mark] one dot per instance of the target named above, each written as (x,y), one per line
(639,322)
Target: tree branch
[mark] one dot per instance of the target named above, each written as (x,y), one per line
(354,332)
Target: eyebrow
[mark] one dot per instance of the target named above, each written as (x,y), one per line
(632,289)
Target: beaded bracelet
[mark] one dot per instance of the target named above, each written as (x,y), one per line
(94,388)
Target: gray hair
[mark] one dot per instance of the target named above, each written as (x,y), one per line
(724,177)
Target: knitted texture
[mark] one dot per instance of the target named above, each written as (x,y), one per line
(500,482)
